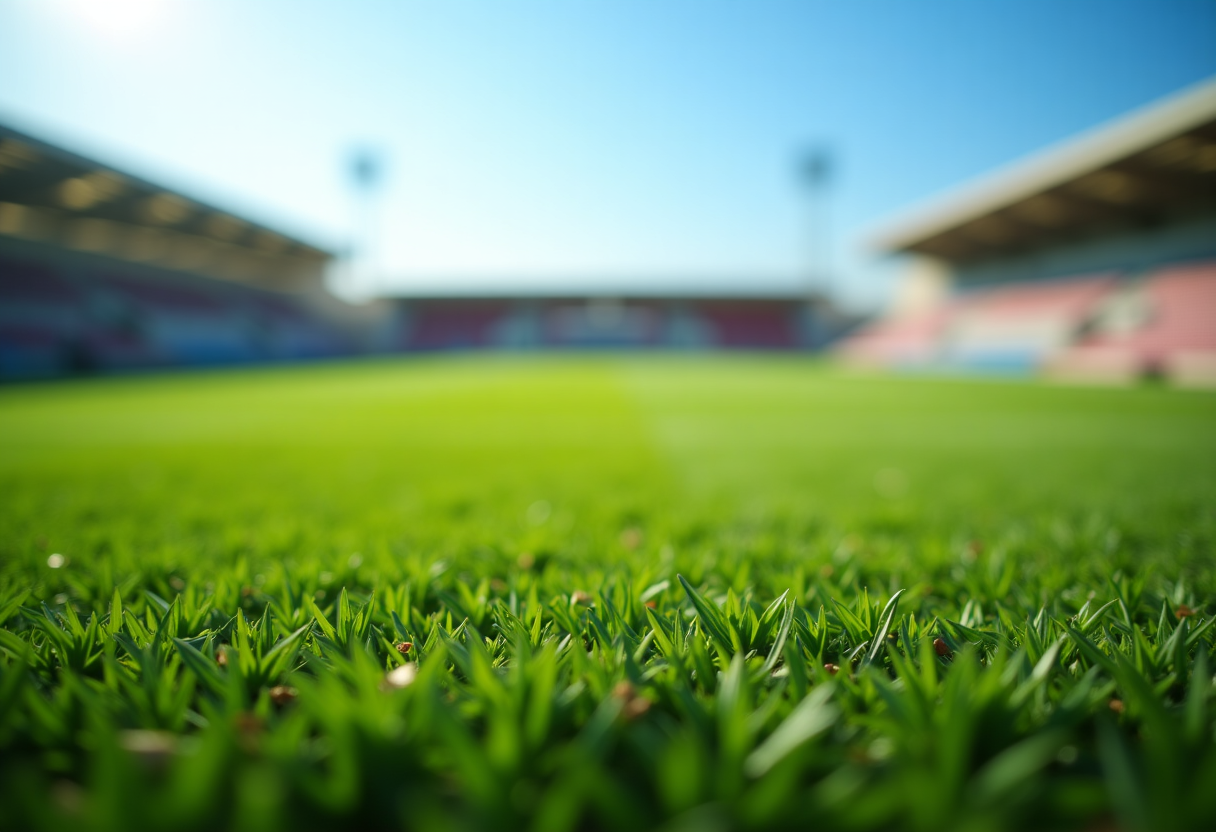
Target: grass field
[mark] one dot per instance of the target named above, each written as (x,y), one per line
(697,593)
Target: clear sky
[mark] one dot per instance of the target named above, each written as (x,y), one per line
(585,144)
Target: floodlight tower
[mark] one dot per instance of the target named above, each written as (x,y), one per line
(815,171)
(366,170)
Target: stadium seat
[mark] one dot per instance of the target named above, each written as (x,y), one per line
(1176,338)
(906,341)
(1021,327)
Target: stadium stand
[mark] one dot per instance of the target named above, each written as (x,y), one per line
(765,326)
(1094,260)
(1020,326)
(660,322)
(1169,330)
(455,325)
(898,341)
(103,271)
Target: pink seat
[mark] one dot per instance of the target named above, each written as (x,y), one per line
(1179,332)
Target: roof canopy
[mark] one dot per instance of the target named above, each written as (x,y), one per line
(1146,168)
(51,195)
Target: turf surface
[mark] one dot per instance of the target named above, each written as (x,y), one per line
(625,583)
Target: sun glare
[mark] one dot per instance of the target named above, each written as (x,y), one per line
(116,18)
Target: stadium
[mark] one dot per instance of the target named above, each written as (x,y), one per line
(1093,260)
(596,517)
(101,271)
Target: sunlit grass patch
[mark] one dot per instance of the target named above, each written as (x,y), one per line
(594,593)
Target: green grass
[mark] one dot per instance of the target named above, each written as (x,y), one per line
(622,580)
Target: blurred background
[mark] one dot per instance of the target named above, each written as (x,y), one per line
(1006,187)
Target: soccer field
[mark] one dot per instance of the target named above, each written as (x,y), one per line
(708,592)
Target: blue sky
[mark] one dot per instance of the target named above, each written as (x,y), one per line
(606,145)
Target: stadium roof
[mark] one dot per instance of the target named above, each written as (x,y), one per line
(51,195)
(1152,165)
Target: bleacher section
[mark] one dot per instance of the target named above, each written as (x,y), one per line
(1018,327)
(1134,199)
(908,340)
(39,314)
(1095,328)
(101,270)
(455,326)
(85,316)
(448,323)
(1166,327)
(753,326)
